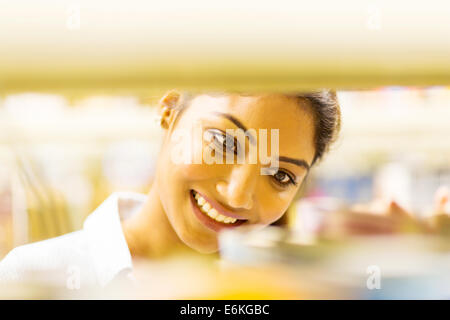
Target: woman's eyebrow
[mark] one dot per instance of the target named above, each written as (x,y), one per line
(238,124)
(298,162)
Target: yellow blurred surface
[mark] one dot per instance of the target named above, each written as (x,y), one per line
(140,46)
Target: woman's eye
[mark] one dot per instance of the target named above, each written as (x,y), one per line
(223,141)
(283,178)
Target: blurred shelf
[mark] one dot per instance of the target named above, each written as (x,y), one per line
(138,46)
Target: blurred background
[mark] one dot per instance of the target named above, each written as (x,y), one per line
(60,159)
(79,81)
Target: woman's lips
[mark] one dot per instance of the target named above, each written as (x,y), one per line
(220,209)
(211,215)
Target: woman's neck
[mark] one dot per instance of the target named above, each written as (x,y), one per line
(149,233)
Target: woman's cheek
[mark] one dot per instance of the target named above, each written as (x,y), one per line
(274,206)
(200,171)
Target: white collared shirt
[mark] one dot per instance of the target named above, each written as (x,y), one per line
(96,254)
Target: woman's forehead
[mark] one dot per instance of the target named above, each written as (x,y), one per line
(266,109)
(258,112)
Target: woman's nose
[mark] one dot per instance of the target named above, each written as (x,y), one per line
(239,190)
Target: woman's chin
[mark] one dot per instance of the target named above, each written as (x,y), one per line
(206,247)
(203,250)
(191,231)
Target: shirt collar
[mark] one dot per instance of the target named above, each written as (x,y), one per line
(106,242)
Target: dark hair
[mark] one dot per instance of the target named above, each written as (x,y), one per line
(327,119)
(326,112)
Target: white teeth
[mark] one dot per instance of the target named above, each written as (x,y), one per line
(229,220)
(206,208)
(213,213)
(201,201)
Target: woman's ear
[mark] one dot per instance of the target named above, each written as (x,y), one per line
(167,108)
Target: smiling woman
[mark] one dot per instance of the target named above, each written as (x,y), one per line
(190,203)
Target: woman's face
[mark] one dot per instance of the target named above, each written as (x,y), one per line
(201,199)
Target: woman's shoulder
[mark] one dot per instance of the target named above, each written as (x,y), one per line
(46,261)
